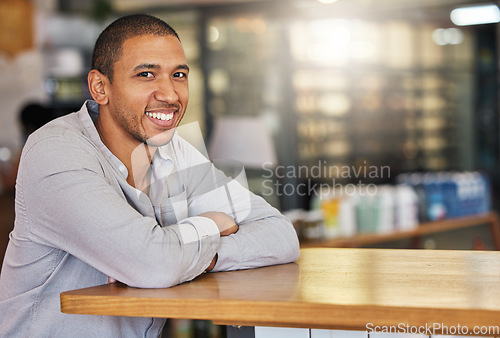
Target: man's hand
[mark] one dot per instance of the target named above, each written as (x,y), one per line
(212,264)
(226,224)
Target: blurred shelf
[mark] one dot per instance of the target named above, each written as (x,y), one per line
(423,229)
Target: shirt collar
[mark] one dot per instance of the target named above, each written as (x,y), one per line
(88,115)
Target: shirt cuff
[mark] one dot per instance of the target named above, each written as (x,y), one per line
(205,227)
(204,231)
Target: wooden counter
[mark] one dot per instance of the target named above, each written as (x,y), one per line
(325,288)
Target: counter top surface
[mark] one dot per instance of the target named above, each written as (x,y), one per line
(325,288)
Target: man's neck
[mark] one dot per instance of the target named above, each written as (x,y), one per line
(135,155)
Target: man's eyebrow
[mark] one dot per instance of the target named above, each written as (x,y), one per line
(186,67)
(156,66)
(146,66)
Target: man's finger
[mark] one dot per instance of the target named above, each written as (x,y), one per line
(231,230)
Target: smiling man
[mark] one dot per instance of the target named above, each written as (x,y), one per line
(111,192)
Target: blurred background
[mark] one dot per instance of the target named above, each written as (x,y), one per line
(395,99)
(321,94)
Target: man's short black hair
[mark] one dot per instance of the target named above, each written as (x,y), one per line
(108,47)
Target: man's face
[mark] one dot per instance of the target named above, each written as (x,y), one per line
(149,94)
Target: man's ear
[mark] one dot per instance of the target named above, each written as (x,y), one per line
(97,86)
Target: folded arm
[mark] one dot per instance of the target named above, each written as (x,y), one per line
(265,237)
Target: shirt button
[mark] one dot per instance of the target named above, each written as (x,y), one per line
(122,168)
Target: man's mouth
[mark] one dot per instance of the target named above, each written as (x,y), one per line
(160,116)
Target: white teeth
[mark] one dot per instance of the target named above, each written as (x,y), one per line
(161,116)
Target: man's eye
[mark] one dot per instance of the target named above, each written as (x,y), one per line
(180,75)
(145,74)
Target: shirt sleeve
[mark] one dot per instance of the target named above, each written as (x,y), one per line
(73,204)
(265,237)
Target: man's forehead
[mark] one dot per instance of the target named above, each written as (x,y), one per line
(151,39)
(152,49)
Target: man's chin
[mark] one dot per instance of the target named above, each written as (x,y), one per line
(161,139)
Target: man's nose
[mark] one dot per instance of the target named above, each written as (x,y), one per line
(166,91)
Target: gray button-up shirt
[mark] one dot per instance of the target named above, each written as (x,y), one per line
(78,221)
